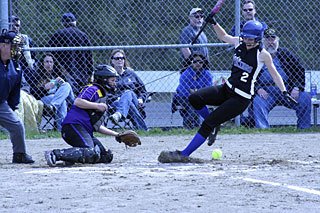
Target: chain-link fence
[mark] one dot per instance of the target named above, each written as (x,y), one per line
(160,22)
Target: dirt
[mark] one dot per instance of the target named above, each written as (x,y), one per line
(257,173)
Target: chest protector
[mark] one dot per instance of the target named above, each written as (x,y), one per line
(97,118)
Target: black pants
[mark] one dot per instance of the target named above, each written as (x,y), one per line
(229,105)
(77,136)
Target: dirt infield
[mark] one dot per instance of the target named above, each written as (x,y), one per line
(258,173)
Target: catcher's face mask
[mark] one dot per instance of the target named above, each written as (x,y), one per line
(16,41)
(16,47)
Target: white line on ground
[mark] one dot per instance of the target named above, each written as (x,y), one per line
(297,188)
(302,162)
(173,170)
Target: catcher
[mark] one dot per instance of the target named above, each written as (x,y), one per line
(86,116)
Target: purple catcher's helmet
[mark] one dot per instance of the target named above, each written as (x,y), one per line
(252,29)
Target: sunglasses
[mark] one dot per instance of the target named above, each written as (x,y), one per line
(247,10)
(17,25)
(118,58)
(272,36)
(198,61)
(198,16)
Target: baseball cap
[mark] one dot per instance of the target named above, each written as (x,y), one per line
(7,36)
(68,17)
(270,33)
(195,10)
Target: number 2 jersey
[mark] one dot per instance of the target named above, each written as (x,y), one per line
(245,70)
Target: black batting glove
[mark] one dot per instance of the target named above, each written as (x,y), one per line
(289,98)
(211,20)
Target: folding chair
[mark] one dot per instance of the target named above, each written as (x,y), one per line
(48,119)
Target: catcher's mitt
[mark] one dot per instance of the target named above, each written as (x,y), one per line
(129,138)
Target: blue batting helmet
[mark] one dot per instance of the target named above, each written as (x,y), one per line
(252,29)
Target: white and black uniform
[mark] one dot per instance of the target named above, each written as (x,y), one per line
(235,95)
(245,70)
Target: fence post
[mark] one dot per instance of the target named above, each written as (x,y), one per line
(4,6)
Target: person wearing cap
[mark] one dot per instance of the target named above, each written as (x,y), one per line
(268,95)
(10,78)
(189,32)
(195,77)
(79,64)
(249,12)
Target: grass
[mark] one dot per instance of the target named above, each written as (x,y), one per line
(181,131)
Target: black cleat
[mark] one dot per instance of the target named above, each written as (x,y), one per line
(213,136)
(22,158)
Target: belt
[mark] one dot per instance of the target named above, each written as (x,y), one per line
(238,91)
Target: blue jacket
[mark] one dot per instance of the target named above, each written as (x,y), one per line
(10,83)
(190,79)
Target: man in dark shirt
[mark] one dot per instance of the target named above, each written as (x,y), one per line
(79,64)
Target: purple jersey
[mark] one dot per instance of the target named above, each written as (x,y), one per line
(80,116)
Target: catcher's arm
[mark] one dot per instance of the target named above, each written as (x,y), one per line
(104,130)
(85,104)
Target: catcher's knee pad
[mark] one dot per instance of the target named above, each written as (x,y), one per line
(106,157)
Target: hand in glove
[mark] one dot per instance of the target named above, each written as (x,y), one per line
(211,20)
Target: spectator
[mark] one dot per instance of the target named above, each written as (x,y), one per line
(249,12)
(85,117)
(133,93)
(268,95)
(51,88)
(29,109)
(189,32)
(28,61)
(79,64)
(196,76)
(10,78)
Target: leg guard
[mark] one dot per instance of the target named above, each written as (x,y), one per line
(106,155)
(78,155)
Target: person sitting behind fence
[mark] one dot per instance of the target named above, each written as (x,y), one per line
(51,88)
(268,95)
(196,76)
(132,90)
(29,109)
